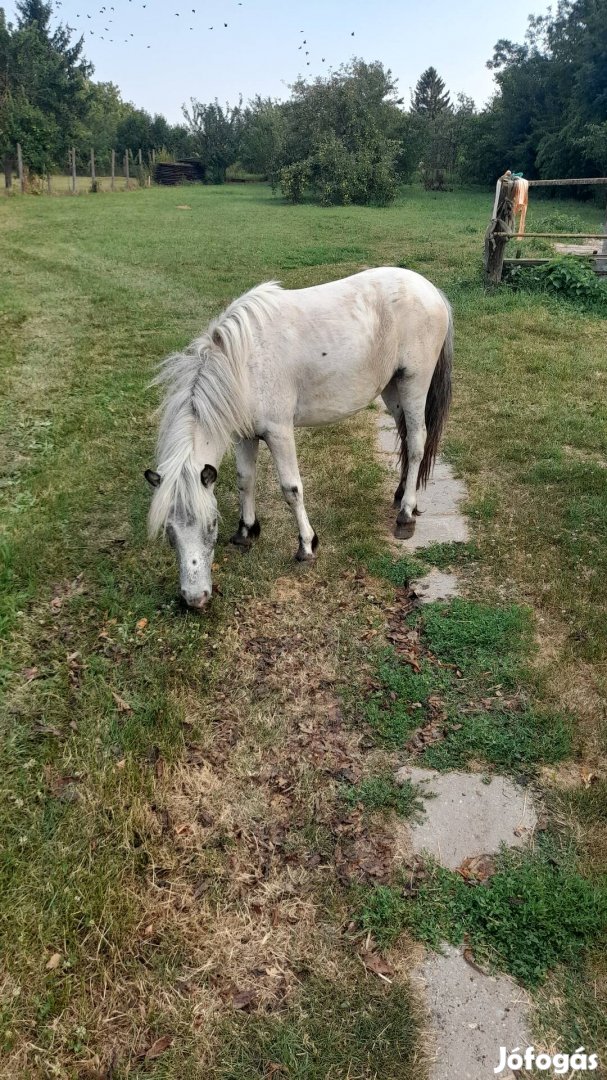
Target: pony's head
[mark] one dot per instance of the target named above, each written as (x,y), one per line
(190,526)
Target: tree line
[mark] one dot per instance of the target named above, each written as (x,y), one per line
(344,138)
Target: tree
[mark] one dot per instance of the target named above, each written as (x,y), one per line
(432,108)
(341,136)
(551,101)
(430,97)
(215,131)
(262,136)
(43,84)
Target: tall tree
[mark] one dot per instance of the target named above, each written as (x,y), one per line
(43,85)
(215,131)
(430,97)
(549,114)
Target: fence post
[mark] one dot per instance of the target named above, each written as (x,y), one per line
(126,166)
(93,175)
(113,168)
(601,262)
(73,157)
(140,157)
(48,181)
(20,168)
(502,220)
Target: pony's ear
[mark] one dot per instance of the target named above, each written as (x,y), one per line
(154,479)
(208,475)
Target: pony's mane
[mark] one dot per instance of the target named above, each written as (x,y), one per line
(206,393)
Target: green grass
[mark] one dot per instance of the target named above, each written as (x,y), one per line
(485,642)
(94,292)
(333,1032)
(395,709)
(534,913)
(383,793)
(515,741)
(474,655)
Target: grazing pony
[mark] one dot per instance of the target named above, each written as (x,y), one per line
(278,359)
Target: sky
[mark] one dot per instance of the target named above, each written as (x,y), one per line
(161,53)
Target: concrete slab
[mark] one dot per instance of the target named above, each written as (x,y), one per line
(437,585)
(440,519)
(472,1015)
(466,817)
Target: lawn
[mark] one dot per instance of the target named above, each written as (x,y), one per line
(189,811)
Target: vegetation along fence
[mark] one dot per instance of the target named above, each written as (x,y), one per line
(510,203)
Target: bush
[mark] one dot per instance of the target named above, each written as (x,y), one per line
(340,177)
(566,276)
(294,180)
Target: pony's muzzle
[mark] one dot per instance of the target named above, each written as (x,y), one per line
(196,601)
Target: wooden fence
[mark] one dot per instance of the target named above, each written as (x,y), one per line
(129,165)
(502,228)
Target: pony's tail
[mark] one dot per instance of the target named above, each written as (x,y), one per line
(438,401)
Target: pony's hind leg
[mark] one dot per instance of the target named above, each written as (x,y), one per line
(246,471)
(281,444)
(392,402)
(412,395)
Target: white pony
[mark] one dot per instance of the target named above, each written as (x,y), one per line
(279,359)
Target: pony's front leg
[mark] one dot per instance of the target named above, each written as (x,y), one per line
(281,443)
(246,471)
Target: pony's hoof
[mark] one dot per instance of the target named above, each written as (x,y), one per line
(403,530)
(307,556)
(241,541)
(245,534)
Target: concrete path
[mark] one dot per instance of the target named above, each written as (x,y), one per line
(471,1014)
(466,817)
(441,520)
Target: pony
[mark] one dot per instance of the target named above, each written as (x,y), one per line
(278,359)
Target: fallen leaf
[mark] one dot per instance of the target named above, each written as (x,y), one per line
(54,962)
(120,764)
(469,958)
(587,777)
(376,964)
(31,673)
(56,603)
(141,624)
(123,706)
(477,868)
(244,999)
(157,1048)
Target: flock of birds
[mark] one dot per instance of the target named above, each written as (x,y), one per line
(108,13)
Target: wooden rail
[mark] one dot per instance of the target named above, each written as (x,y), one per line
(563,183)
(551,235)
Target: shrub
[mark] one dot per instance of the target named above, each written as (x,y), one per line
(565,276)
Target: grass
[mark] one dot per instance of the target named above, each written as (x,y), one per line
(368,1032)
(535,912)
(474,668)
(152,845)
(482,640)
(381,792)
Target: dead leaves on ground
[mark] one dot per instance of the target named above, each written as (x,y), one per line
(477,869)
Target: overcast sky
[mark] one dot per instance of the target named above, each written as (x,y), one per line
(162,53)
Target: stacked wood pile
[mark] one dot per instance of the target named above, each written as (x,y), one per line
(179,172)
